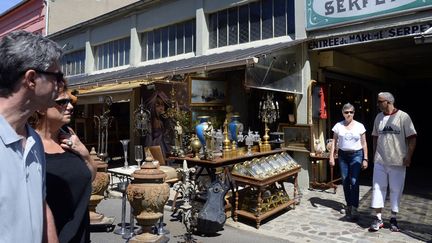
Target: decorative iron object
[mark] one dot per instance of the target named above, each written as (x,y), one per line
(103,122)
(187,188)
(268,113)
(142,120)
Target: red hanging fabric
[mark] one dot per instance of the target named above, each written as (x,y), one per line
(323,107)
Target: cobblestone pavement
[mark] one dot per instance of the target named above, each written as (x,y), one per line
(318,218)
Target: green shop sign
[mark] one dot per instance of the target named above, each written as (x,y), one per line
(324,13)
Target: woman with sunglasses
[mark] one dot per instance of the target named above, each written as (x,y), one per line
(70,171)
(350,137)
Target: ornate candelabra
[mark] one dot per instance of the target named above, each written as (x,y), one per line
(180,122)
(101,181)
(249,140)
(268,113)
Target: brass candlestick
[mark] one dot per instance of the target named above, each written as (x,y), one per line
(265,146)
(226,152)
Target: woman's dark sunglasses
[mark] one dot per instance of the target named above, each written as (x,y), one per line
(63,102)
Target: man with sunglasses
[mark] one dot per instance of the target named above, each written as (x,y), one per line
(394,140)
(30,79)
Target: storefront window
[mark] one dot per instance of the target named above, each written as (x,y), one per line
(251,22)
(276,71)
(112,54)
(73,63)
(168,41)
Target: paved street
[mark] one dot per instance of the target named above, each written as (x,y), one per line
(316,219)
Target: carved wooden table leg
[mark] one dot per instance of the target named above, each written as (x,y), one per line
(314,173)
(259,205)
(295,191)
(236,204)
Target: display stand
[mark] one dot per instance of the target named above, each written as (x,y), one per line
(261,186)
(124,174)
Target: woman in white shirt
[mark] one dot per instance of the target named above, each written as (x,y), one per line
(350,137)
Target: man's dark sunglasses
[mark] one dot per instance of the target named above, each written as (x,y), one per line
(58,75)
(63,102)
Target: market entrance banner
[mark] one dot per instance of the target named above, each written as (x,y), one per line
(324,13)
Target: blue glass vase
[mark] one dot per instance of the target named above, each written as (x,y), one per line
(234,127)
(201,127)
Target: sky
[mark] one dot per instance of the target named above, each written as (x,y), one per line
(6,4)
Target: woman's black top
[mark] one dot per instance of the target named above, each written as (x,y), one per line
(68,183)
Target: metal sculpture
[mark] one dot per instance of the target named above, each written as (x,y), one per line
(188,189)
(142,120)
(103,122)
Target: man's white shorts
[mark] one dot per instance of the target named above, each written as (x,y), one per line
(387,176)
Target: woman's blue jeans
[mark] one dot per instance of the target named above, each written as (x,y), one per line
(350,167)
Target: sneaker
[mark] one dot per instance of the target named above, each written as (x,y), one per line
(346,210)
(376,225)
(393,225)
(354,214)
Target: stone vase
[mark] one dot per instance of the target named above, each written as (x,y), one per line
(99,186)
(147,196)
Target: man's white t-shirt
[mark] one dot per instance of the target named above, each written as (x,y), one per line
(392,131)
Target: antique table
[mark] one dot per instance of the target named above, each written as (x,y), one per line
(226,164)
(314,184)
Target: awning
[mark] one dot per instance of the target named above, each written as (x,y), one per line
(112,88)
(119,92)
(195,64)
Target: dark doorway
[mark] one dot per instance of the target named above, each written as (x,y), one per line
(362,96)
